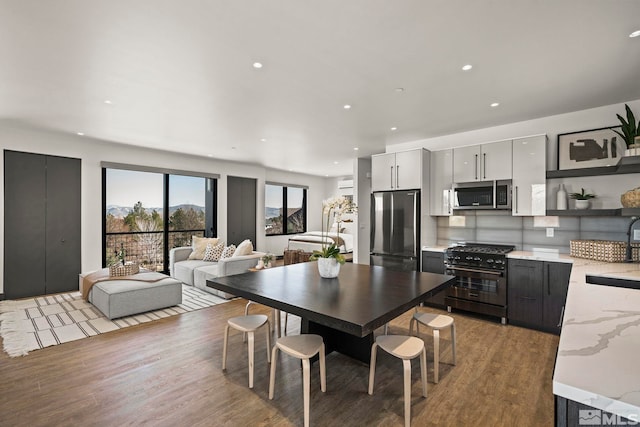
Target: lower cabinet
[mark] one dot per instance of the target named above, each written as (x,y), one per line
(536,293)
(433,262)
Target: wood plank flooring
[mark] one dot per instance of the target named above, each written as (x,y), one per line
(168,373)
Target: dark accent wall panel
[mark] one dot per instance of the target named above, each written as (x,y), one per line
(241,210)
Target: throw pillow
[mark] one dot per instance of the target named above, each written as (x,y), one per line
(213,252)
(244,248)
(199,245)
(228,252)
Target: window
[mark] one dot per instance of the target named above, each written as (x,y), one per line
(146,213)
(285,209)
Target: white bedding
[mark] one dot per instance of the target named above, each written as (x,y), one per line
(313,240)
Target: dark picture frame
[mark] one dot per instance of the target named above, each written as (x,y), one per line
(590,148)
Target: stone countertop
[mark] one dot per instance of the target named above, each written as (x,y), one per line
(598,361)
(434,248)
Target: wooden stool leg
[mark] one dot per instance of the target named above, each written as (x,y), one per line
(272,379)
(411,323)
(423,371)
(246,313)
(436,355)
(268,341)
(453,341)
(305,392)
(276,320)
(372,367)
(286,318)
(406,364)
(323,370)
(250,350)
(224,348)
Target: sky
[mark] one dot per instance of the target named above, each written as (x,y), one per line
(126,188)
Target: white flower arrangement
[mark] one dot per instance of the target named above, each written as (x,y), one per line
(336,207)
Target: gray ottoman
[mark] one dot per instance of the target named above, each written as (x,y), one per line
(118,298)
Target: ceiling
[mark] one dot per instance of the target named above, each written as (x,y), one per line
(179,75)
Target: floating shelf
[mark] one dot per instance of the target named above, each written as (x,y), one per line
(596,212)
(626,165)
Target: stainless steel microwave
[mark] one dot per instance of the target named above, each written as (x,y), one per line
(482,195)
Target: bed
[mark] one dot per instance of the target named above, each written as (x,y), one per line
(313,240)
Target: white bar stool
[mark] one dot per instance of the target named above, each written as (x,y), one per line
(303,347)
(248,325)
(436,322)
(277,319)
(405,348)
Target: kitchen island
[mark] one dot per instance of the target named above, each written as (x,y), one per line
(598,361)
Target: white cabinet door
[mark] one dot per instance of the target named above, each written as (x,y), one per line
(466,164)
(495,161)
(408,173)
(529,176)
(441,180)
(383,171)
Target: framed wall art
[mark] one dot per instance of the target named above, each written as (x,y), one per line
(590,148)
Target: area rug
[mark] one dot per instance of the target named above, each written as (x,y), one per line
(35,323)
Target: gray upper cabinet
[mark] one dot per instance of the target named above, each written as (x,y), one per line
(441,182)
(529,195)
(483,162)
(396,171)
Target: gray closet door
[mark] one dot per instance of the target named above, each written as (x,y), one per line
(62,224)
(241,210)
(24,224)
(42,224)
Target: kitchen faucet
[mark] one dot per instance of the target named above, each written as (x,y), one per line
(629,257)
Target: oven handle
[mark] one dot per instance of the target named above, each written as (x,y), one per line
(471,270)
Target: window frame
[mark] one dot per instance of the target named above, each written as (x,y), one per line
(285,221)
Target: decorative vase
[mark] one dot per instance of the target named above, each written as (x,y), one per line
(328,267)
(561,198)
(632,150)
(582,204)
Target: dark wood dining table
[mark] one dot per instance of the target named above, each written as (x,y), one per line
(344,311)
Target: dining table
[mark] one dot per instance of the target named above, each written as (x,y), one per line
(345,310)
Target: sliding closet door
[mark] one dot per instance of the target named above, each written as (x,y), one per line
(41,223)
(62,224)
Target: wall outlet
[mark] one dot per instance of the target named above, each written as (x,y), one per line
(636,234)
(550,231)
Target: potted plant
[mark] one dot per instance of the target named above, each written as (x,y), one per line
(329,257)
(582,199)
(266,260)
(630,130)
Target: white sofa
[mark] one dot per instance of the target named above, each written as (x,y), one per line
(196,272)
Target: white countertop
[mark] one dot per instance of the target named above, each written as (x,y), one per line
(598,361)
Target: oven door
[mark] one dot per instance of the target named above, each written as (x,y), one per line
(475,284)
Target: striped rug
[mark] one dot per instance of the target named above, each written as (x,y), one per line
(35,323)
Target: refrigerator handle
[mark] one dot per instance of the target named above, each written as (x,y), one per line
(415,223)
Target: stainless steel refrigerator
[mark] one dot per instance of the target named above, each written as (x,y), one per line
(395,229)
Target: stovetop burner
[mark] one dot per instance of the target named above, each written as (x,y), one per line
(485,248)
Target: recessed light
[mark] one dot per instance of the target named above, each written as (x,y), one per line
(347,107)
(635,34)
(326,174)
(335,163)
(210,155)
(394,128)
(257,65)
(467,67)
(107,101)
(80,133)
(399,89)
(355,148)
(495,104)
(263,139)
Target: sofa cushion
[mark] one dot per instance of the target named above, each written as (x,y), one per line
(213,252)
(183,270)
(202,274)
(228,252)
(244,248)
(199,246)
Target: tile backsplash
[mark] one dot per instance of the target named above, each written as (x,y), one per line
(501,227)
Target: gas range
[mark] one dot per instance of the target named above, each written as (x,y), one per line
(478,255)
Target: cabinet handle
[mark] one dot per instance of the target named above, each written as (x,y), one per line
(561,316)
(528,298)
(471,294)
(476,165)
(397,182)
(548,281)
(391,177)
(450,201)
(516,189)
(484,165)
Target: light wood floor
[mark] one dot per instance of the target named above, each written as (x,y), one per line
(168,373)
